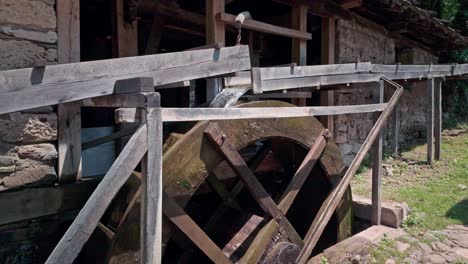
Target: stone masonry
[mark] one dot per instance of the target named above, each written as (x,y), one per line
(355,42)
(28,37)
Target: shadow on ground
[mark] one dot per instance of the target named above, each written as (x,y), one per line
(459,211)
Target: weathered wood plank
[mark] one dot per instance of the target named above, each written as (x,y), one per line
(76,81)
(395,68)
(37,202)
(116,100)
(88,218)
(264,27)
(129,115)
(438,118)
(69,142)
(327,98)
(192,230)
(151,182)
(273,73)
(377,154)
(333,199)
(68,31)
(235,161)
(134,85)
(290,94)
(430,121)
(396,131)
(299,46)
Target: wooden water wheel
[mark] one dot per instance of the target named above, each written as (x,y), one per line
(236,192)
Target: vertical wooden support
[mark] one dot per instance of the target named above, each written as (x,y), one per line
(299,46)
(151,206)
(192,94)
(125,35)
(377,153)
(69,115)
(215,33)
(430,121)
(438,117)
(328,57)
(396,130)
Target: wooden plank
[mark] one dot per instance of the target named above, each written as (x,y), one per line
(328,57)
(99,141)
(243,234)
(382,68)
(129,115)
(69,142)
(273,73)
(279,95)
(430,121)
(377,154)
(299,46)
(88,218)
(134,85)
(68,31)
(264,27)
(331,202)
(396,131)
(125,33)
(235,161)
(348,4)
(116,100)
(151,182)
(215,33)
(438,118)
(183,221)
(37,202)
(256,80)
(174,85)
(72,82)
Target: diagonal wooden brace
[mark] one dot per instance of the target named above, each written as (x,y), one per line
(238,164)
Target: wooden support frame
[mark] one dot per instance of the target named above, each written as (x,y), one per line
(331,202)
(377,154)
(430,121)
(299,46)
(125,33)
(327,98)
(396,131)
(438,118)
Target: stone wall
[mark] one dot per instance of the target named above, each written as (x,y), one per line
(28,38)
(356,42)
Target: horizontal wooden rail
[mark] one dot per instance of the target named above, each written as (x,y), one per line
(35,87)
(264,27)
(199,114)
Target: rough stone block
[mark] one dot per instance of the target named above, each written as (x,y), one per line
(6,161)
(393,213)
(28,13)
(7,149)
(38,152)
(49,36)
(29,128)
(22,54)
(28,172)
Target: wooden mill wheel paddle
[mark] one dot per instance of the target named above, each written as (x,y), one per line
(238,191)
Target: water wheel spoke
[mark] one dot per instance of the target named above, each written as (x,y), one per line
(183,221)
(238,164)
(238,239)
(303,172)
(260,242)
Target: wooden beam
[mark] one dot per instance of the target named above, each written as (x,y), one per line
(83,226)
(154,38)
(69,115)
(377,154)
(125,33)
(38,202)
(68,31)
(299,46)
(151,183)
(215,33)
(21,89)
(348,4)
(396,131)
(331,202)
(430,121)
(124,115)
(69,142)
(271,73)
(328,57)
(438,117)
(264,27)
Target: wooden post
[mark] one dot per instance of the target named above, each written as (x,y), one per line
(438,117)
(151,182)
(215,33)
(396,130)
(125,35)
(377,151)
(328,57)
(69,115)
(430,121)
(299,46)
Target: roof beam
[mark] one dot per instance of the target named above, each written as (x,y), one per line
(348,4)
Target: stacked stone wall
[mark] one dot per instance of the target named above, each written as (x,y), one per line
(28,38)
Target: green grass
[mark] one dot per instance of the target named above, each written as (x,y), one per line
(432,193)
